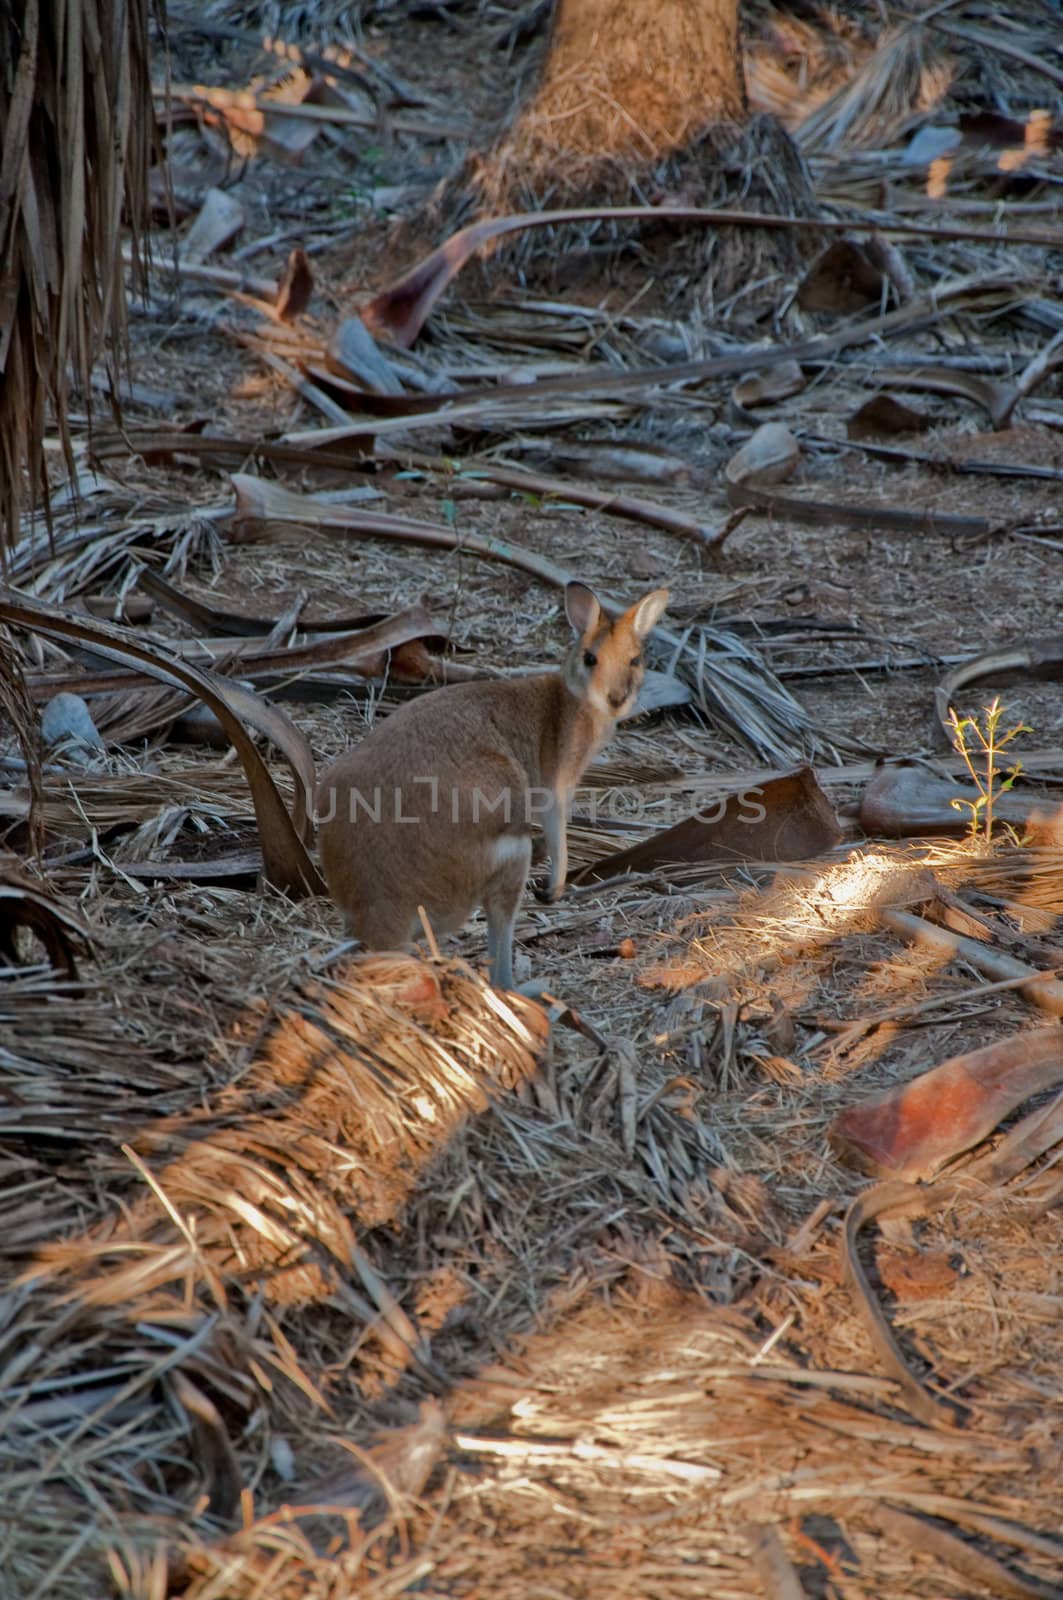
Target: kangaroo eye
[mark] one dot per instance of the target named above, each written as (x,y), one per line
(636,661)
(589,658)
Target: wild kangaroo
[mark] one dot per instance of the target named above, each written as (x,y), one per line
(435,807)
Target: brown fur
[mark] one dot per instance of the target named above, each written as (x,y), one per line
(435,807)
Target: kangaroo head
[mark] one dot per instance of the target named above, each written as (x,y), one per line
(605,665)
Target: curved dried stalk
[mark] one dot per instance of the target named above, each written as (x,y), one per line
(286,864)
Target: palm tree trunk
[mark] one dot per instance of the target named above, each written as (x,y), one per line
(645,100)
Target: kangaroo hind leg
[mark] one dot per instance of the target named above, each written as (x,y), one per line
(501,901)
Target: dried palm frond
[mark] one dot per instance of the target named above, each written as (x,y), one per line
(75,135)
(792,64)
(17,708)
(363,1081)
(80,554)
(26,904)
(1028,876)
(76,802)
(734,688)
(906,75)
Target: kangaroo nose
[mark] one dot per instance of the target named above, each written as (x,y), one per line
(616,700)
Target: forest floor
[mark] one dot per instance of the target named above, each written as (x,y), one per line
(329,1275)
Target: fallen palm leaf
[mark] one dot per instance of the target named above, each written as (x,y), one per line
(286,864)
(609,459)
(235,870)
(400,311)
(261,505)
(764,388)
(837,513)
(163,446)
(770,456)
(82,552)
(898,1199)
(220,219)
(997,400)
(356,400)
(1042,659)
(914,1130)
(905,801)
(959,464)
(217,620)
(354,354)
(615,505)
(367,649)
(882,414)
(26,903)
(787,819)
(842,280)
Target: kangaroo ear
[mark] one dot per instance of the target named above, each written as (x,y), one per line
(645,616)
(581,608)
